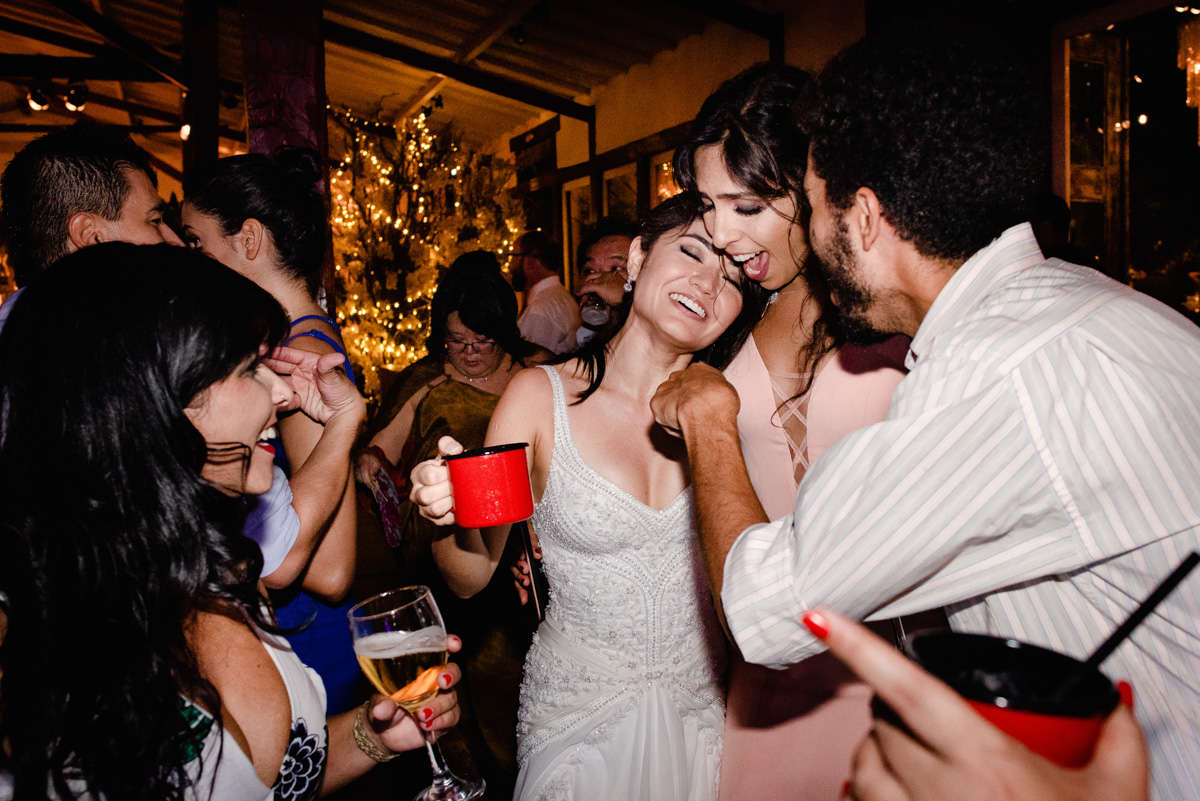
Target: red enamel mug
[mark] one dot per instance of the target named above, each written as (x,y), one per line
(1051,702)
(490,485)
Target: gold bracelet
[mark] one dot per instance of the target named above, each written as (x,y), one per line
(364,739)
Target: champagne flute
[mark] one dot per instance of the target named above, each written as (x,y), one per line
(400,643)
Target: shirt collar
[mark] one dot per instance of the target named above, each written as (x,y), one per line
(1014,250)
(542,285)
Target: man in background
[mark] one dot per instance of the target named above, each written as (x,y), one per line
(72,188)
(602,257)
(551,315)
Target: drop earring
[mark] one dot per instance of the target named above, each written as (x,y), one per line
(628,285)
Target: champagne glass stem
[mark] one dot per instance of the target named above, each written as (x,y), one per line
(441,772)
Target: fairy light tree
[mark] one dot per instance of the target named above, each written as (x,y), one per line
(407,201)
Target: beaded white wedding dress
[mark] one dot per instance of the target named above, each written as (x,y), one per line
(622,695)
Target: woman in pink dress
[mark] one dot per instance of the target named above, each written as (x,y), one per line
(788,734)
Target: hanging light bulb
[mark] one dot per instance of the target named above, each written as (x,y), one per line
(77,96)
(37,99)
(185,131)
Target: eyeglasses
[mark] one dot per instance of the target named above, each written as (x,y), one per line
(474,345)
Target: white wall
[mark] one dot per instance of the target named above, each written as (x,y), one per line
(670,88)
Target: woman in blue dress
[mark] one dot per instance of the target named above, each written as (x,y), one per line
(263,216)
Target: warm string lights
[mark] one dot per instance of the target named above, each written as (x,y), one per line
(1189,59)
(407,201)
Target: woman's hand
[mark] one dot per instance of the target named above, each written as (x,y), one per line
(367,466)
(960,756)
(431,485)
(522,573)
(322,389)
(396,729)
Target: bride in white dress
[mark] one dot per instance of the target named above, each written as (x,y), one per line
(622,695)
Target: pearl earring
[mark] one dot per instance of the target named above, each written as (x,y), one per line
(628,285)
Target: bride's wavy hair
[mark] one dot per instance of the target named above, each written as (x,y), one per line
(110,539)
(673,215)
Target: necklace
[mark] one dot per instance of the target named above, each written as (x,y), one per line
(479,379)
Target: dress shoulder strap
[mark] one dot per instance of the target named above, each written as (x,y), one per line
(562,427)
(322,318)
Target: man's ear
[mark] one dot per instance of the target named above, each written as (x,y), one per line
(633,265)
(251,236)
(84,228)
(865,217)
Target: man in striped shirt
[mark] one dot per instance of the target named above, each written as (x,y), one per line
(1039,469)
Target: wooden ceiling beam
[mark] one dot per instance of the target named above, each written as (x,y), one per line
(100,68)
(496,84)
(51,37)
(41,128)
(135,47)
(470,49)
(493,30)
(139,109)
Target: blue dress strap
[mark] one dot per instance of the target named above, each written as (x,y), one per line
(322,318)
(321,335)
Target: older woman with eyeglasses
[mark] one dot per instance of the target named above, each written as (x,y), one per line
(473,344)
(474,349)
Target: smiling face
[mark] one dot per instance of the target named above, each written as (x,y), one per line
(234,416)
(684,289)
(758,234)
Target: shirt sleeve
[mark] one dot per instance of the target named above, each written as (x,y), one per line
(273,523)
(916,512)
(548,325)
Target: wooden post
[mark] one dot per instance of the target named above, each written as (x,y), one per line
(200,109)
(283,59)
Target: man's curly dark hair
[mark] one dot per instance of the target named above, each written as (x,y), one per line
(943,136)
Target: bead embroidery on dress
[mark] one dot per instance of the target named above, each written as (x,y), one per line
(630,654)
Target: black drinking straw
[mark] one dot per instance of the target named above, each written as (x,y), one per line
(1145,608)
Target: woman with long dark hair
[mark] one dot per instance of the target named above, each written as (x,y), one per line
(802,386)
(622,695)
(141,660)
(264,217)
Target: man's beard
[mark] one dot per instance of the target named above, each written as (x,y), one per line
(852,299)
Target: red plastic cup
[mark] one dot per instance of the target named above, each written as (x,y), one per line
(490,485)
(1051,702)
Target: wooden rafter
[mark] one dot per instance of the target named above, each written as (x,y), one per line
(135,47)
(505,87)
(474,45)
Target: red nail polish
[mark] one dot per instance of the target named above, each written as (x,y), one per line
(817,624)
(445,679)
(427,713)
(1125,689)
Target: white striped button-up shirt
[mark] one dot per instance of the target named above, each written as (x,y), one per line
(1038,473)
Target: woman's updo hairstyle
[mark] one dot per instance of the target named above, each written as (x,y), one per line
(281,192)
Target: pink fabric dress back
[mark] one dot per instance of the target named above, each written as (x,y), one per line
(791,734)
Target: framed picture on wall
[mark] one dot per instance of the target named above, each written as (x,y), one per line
(578,215)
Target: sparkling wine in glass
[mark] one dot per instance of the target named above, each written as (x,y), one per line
(400,643)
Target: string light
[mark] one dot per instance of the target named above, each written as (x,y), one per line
(407,201)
